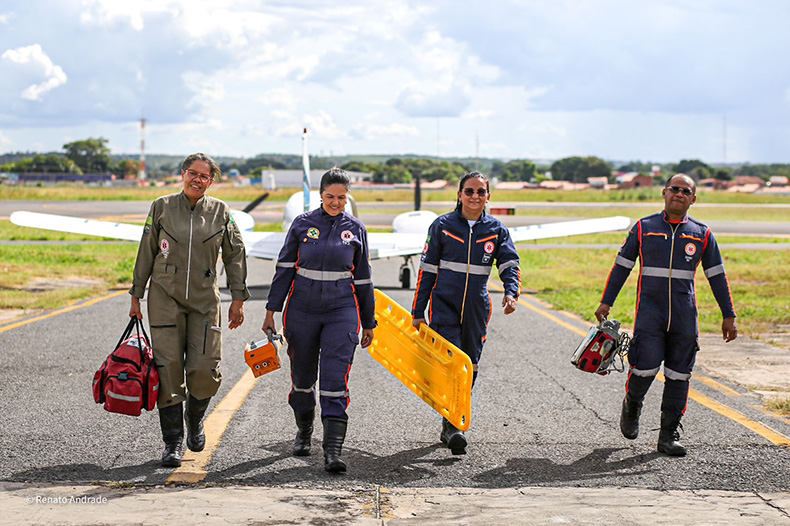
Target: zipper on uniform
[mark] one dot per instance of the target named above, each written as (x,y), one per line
(468,263)
(189,257)
(205,337)
(671,258)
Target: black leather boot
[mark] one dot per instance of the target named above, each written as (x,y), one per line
(668,436)
(629,418)
(453,438)
(196,438)
(304,424)
(171,419)
(334,435)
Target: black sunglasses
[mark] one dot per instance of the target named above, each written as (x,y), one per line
(480,191)
(677,190)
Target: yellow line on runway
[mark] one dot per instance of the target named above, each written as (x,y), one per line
(62,311)
(764,431)
(193,467)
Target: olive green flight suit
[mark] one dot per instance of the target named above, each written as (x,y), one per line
(178,252)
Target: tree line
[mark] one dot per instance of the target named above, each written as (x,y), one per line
(92,155)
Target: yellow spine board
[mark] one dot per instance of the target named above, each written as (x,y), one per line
(433,368)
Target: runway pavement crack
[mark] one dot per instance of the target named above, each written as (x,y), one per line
(570,393)
(774,506)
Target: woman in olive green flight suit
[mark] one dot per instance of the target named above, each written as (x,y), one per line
(181,241)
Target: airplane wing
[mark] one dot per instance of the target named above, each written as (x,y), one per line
(265,245)
(569,228)
(78,225)
(387,245)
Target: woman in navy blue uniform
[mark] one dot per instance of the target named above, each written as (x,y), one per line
(461,248)
(323,271)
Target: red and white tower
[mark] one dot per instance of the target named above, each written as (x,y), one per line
(141,175)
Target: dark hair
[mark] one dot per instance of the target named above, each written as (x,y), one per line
(216,173)
(334,176)
(465,178)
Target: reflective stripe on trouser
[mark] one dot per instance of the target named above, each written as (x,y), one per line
(187,346)
(650,348)
(326,343)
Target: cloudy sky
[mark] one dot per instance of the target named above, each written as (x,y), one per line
(651,80)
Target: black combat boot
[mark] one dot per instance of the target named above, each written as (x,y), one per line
(629,418)
(334,435)
(668,436)
(196,438)
(453,438)
(304,424)
(171,418)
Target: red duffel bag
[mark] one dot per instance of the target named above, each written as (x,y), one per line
(128,382)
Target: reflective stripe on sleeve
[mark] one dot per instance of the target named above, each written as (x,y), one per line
(507,264)
(623,262)
(323,275)
(427,267)
(674,375)
(286,264)
(482,270)
(658,272)
(714,271)
(368,281)
(334,394)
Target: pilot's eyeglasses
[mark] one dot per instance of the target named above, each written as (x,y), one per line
(203,178)
(678,189)
(480,191)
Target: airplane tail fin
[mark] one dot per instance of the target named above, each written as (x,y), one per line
(305,172)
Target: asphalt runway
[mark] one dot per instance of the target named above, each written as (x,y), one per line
(536,420)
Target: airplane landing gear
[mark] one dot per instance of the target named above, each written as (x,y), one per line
(405,273)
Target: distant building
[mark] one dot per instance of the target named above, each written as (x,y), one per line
(778,180)
(715,184)
(634,180)
(598,182)
(741,180)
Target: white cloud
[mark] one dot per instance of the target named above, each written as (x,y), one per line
(31,62)
(5,142)
(378,131)
(433,101)
(5,18)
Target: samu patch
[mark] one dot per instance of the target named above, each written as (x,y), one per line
(313,232)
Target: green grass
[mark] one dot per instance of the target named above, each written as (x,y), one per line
(110,264)
(779,405)
(573,280)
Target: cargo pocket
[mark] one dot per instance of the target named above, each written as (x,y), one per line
(212,341)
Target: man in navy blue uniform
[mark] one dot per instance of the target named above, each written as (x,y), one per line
(324,272)
(670,245)
(459,253)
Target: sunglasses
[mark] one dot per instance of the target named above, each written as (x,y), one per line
(480,191)
(677,190)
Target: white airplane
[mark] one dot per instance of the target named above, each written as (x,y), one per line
(409,230)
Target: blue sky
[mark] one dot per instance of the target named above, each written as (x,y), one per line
(654,80)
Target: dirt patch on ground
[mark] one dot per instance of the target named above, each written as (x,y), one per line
(45,284)
(751,363)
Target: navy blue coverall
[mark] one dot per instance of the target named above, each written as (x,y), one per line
(324,272)
(666,326)
(456,263)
